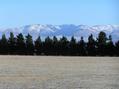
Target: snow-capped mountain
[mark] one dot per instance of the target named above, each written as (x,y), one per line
(64,30)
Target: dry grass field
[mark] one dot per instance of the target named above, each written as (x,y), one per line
(47,72)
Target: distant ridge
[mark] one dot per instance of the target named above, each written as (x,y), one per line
(67,30)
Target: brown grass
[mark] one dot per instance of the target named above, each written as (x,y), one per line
(47,72)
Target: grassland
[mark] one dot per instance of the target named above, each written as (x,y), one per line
(47,72)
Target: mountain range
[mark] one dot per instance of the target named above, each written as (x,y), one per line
(67,30)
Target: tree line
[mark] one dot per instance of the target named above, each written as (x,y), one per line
(20,45)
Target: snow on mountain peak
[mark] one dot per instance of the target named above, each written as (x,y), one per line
(65,30)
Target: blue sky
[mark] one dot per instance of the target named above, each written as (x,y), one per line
(15,13)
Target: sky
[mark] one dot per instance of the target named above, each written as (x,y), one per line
(16,13)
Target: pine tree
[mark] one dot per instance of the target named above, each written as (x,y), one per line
(48,46)
(12,44)
(91,46)
(55,46)
(117,48)
(82,47)
(110,47)
(20,44)
(64,46)
(4,45)
(73,47)
(29,45)
(38,46)
(101,44)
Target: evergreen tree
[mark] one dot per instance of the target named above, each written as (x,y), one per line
(73,47)
(117,48)
(55,46)
(91,46)
(20,44)
(101,44)
(48,46)
(29,45)
(12,44)
(110,47)
(63,46)
(4,45)
(82,47)
(38,46)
